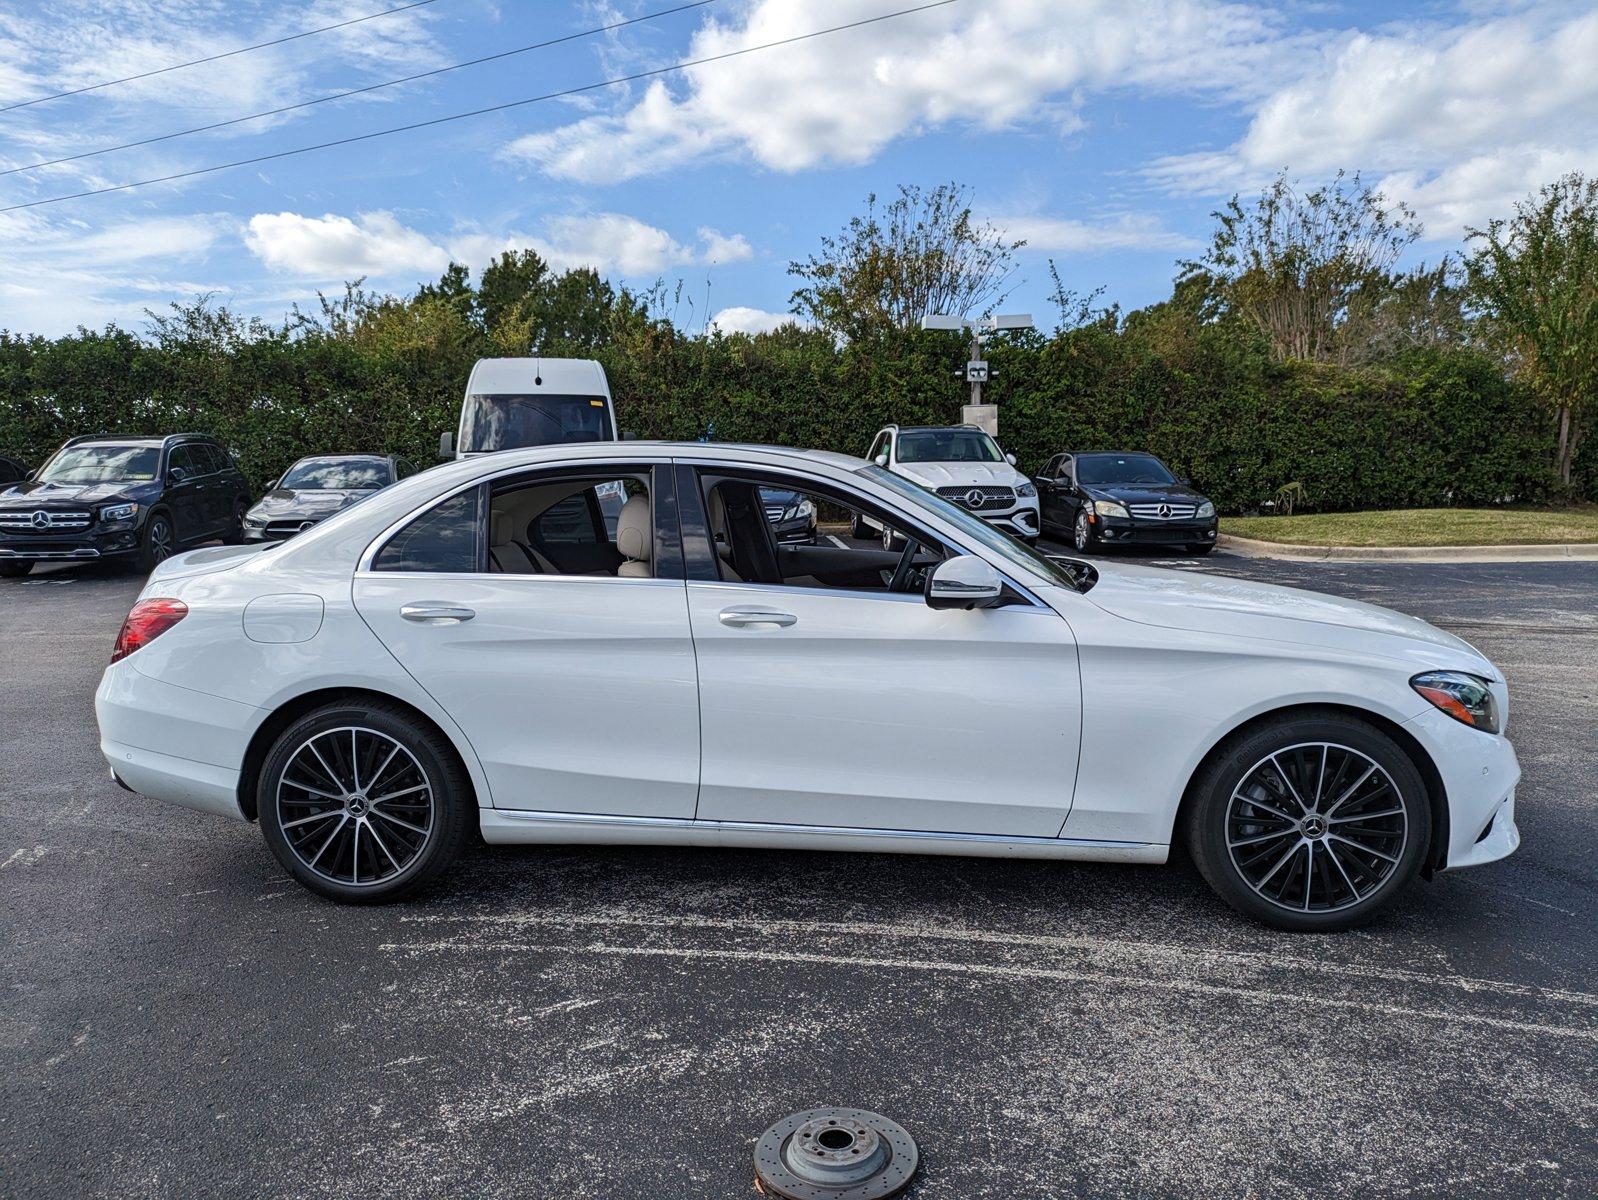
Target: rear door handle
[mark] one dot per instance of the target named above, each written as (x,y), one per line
(436,614)
(743,618)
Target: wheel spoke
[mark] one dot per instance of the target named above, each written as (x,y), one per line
(1361,847)
(1358,783)
(331,773)
(421,787)
(305,787)
(1386,812)
(1331,853)
(343,820)
(321,816)
(1260,804)
(355,855)
(378,774)
(1320,780)
(403,824)
(1264,837)
(383,846)
(1291,790)
(1309,872)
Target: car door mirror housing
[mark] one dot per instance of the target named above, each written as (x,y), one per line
(881,460)
(176,476)
(1010,458)
(964,581)
(446,446)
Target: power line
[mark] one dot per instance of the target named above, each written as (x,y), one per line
(293,37)
(478,112)
(372,87)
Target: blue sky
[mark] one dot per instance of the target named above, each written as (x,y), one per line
(1102,132)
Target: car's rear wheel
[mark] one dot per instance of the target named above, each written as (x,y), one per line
(1312,822)
(157,544)
(362,803)
(235,530)
(14,570)
(859,529)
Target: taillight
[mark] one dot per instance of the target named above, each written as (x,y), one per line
(148,621)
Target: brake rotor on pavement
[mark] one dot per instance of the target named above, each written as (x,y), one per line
(835,1154)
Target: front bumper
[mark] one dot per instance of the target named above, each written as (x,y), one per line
(1132,532)
(87,546)
(1480,773)
(1022,522)
(797,532)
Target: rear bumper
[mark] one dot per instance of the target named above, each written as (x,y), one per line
(171,743)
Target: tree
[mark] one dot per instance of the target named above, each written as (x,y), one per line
(921,253)
(1536,279)
(1305,267)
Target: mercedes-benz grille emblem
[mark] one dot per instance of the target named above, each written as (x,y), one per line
(41,520)
(1165,512)
(974,498)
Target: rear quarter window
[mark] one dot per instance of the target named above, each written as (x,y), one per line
(446,538)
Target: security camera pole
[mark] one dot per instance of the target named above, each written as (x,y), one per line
(984,416)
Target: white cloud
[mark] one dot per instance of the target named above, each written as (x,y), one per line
(739,319)
(335,247)
(1460,121)
(1064,235)
(379,246)
(843,97)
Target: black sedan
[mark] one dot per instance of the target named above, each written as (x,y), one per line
(1103,499)
(792,517)
(317,487)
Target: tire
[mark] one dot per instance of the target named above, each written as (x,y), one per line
(14,570)
(1201,549)
(890,540)
(419,830)
(156,544)
(1083,537)
(235,531)
(859,529)
(1258,841)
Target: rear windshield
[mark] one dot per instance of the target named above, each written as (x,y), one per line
(1121,468)
(103,464)
(335,474)
(507,422)
(947,445)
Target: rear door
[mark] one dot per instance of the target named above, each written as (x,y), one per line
(186,498)
(576,690)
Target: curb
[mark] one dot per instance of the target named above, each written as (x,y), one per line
(1254,548)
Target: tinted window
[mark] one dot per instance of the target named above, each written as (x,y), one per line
(447,537)
(505,422)
(1121,468)
(338,474)
(183,458)
(947,445)
(207,458)
(103,464)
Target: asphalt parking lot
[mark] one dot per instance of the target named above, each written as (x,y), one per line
(179,1019)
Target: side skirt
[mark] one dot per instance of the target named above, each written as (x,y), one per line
(515,827)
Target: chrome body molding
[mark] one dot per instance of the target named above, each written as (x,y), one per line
(503,826)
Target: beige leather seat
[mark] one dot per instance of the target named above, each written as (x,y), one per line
(635,538)
(509,556)
(721,536)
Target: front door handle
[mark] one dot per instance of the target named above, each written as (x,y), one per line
(744,618)
(436,614)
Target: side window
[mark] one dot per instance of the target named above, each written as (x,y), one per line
(1067,468)
(766,532)
(878,447)
(182,459)
(447,537)
(211,459)
(579,525)
(403,468)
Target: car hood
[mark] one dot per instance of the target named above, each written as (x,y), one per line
(1144,493)
(936,475)
(1235,607)
(49,494)
(317,503)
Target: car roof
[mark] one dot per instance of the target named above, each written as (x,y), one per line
(342,457)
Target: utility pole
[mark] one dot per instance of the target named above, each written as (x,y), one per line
(976,373)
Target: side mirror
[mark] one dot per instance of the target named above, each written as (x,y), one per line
(176,476)
(1010,458)
(1183,480)
(881,460)
(446,446)
(964,581)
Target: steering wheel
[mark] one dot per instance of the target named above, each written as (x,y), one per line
(901,573)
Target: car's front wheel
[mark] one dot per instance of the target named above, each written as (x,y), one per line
(235,529)
(1082,535)
(1312,822)
(362,803)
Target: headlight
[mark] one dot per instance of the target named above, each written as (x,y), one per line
(1109,508)
(1466,698)
(255,522)
(802,511)
(1205,510)
(119,512)
(1026,491)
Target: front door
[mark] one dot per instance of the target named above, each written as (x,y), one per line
(186,498)
(567,663)
(828,698)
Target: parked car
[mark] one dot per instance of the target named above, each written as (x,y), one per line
(1100,500)
(12,470)
(964,465)
(133,499)
(317,487)
(792,516)
(470,646)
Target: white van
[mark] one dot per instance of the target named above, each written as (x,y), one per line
(512,403)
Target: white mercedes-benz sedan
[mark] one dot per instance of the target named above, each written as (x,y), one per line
(486,642)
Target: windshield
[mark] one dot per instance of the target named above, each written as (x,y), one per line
(979,530)
(507,422)
(1121,468)
(103,464)
(947,445)
(337,474)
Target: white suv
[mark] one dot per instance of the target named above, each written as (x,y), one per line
(964,465)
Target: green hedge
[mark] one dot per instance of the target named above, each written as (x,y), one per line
(1434,429)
